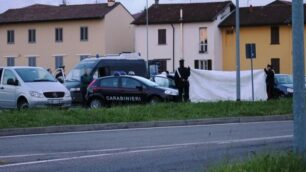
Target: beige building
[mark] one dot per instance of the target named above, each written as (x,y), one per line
(52,36)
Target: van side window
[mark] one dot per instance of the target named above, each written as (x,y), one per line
(8,74)
(1,75)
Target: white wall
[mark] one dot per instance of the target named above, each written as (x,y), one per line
(191,43)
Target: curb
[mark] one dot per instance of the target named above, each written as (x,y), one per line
(131,125)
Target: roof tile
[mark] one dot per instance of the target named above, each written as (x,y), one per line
(192,12)
(43,13)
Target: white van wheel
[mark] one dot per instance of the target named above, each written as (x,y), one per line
(95,104)
(23,104)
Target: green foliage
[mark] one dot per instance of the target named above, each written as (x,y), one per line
(285,162)
(136,113)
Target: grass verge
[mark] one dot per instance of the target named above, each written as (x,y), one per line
(137,113)
(285,162)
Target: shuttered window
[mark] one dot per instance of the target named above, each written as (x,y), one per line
(58,34)
(162,37)
(32,36)
(274,35)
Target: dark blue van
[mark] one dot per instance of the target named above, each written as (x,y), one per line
(104,66)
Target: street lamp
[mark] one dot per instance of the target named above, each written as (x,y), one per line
(237,51)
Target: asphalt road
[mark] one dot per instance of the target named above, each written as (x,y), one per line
(189,148)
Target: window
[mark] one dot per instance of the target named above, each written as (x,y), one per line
(275,63)
(164,82)
(82,57)
(59,61)
(109,82)
(274,35)
(130,83)
(162,37)
(0,74)
(203,64)
(84,33)
(32,36)
(11,61)
(157,66)
(203,40)
(58,34)
(34,74)
(8,74)
(32,61)
(10,36)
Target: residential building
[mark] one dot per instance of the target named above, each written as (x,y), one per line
(269,28)
(52,36)
(175,31)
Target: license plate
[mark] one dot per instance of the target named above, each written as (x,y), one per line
(55,101)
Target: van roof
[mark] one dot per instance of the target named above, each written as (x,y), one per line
(121,56)
(18,67)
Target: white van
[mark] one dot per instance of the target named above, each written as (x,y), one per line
(27,87)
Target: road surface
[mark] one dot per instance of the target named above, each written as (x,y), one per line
(187,148)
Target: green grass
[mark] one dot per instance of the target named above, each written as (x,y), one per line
(285,162)
(164,111)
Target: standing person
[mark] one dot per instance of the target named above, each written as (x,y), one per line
(49,70)
(60,74)
(270,81)
(181,81)
(85,81)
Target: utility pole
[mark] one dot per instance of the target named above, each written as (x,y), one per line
(299,141)
(147,28)
(237,51)
(182,34)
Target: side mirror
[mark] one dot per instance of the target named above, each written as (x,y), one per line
(11,81)
(140,88)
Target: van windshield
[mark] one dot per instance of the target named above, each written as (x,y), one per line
(76,73)
(35,75)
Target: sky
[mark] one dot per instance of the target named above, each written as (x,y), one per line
(133,6)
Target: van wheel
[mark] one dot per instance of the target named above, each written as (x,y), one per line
(154,100)
(23,104)
(95,103)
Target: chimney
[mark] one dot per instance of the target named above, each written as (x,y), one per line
(110,3)
(251,8)
(156,2)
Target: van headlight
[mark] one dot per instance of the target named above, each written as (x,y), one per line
(74,89)
(67,94)
(36,94)
(171,92)
(290,90)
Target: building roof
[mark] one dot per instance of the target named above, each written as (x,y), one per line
(45,13)
(279,2)
(277,13)
(137,15)
(192,12)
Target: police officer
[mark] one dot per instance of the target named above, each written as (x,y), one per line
(181,80)
(85,81)
(270,81)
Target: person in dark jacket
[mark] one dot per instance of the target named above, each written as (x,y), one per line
(85,81)
(181,81)
(270,81)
